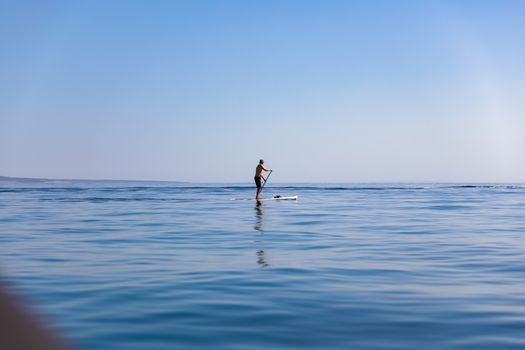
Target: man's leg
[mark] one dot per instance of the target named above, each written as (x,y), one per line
(259,187)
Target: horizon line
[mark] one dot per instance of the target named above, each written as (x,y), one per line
(14,178)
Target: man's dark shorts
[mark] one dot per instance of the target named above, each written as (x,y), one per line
(257,181)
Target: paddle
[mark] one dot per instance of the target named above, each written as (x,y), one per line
(265,181)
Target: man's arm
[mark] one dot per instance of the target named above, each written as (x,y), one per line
(264,178)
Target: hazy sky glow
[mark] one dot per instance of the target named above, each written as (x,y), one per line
(325,91)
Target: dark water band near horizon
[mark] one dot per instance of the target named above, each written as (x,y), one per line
(347,266)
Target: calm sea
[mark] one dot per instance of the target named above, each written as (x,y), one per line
(348,266)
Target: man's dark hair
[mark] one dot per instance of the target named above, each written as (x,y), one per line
(261,161)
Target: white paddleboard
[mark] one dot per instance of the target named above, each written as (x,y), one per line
(279,198)
(275,198)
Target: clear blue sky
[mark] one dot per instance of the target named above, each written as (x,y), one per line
(325,91)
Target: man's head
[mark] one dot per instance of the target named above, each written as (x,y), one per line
(261,161)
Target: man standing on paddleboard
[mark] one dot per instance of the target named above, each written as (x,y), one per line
(259,176)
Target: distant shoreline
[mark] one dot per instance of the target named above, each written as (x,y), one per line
(48,180)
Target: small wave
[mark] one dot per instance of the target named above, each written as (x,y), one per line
(44,189)
(448,207)
(116,199)
(471,186)
(495,186)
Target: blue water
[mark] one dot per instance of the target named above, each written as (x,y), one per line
(142,266)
